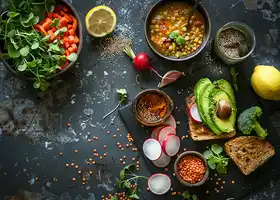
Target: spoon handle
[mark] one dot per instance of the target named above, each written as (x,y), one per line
(194,7)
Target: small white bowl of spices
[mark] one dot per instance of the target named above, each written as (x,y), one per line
(152,107)
(234,42)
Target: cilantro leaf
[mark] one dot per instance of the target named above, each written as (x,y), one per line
(216,149)
(186,195)
(134,196)
(207,154)
(55,23)
(173,35)
(180,40)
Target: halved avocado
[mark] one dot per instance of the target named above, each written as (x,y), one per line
(225,86)
(225,125)
(199,87)
(205,106)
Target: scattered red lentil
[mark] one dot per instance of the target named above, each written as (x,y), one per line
(79,172)
(68,124)
(90,172)
(122,149)
(124,157)
(60,153)
(36,178)
(118,130)
(101,157)
(84,179)
(83,183)
(191,169)
(114,136)
(166,169)
(73,179)
(67,165)
(105,154)
(76,151)
(123,162)
(232,182)
(93,162)
(89,140)
(76,166)
(108,132)
(72,164)
(94,150)
(133,159)
(105,146)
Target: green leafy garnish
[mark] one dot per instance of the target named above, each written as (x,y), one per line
(123,96)
(173,35)
(126,181)
(180,40)
(188,196)
(55,23)
(215,160)
(72,57)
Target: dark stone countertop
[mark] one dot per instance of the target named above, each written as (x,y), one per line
(38,121)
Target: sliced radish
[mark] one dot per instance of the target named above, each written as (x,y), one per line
(155,132)
(159,183)
(170,122)
(194,113)
(171,145)
(152,149)
(162,134)
(163,161)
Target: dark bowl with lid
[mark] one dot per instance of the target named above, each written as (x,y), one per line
(146,122)
(79,33)
(200,8)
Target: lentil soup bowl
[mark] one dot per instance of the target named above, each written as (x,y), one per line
(186,164)
(168,34)
(152,107)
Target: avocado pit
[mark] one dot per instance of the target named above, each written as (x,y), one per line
(224,109)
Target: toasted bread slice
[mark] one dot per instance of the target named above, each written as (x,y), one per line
(249,152)
(199,131)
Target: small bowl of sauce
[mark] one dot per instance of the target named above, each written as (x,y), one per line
(152,107)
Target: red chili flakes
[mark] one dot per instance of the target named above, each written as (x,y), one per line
(191,169)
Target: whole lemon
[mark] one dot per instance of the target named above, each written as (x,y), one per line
(266,82)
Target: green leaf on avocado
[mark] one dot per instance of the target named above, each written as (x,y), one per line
(180,40)
(173,35)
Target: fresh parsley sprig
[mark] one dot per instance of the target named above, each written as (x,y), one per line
(215,160)
(188,196)
(126,181)
(123,96)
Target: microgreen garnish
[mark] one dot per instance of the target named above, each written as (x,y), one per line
(123,96)
(188,196)
(215,159)
(127,181)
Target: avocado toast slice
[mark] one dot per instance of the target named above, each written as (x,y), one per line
(217,107)
(249,152)
(199,131)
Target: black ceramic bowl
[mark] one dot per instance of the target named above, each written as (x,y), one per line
(79,32)
(207,32)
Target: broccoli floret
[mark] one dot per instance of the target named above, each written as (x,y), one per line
(248,121)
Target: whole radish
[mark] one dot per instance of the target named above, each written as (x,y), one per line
(141,62)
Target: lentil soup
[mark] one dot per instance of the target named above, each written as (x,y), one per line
(168,30)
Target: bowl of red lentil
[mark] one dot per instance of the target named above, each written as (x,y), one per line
(152,107)
(191,169)
(168,33)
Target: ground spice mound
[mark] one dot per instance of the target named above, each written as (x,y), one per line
(114,45)
(152,107)
(191,169)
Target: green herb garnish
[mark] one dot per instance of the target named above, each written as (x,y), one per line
(188,196)
(173,35)
(180,40)
(55,23)
(123,96)
(126,181)
(215,159)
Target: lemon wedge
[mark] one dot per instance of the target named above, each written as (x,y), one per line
(100,21)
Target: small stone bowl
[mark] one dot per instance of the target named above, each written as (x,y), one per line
(197,154)
(152,123)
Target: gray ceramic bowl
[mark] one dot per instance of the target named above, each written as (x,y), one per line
(199,155)
(207,33)
(152,123)
(79,34)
